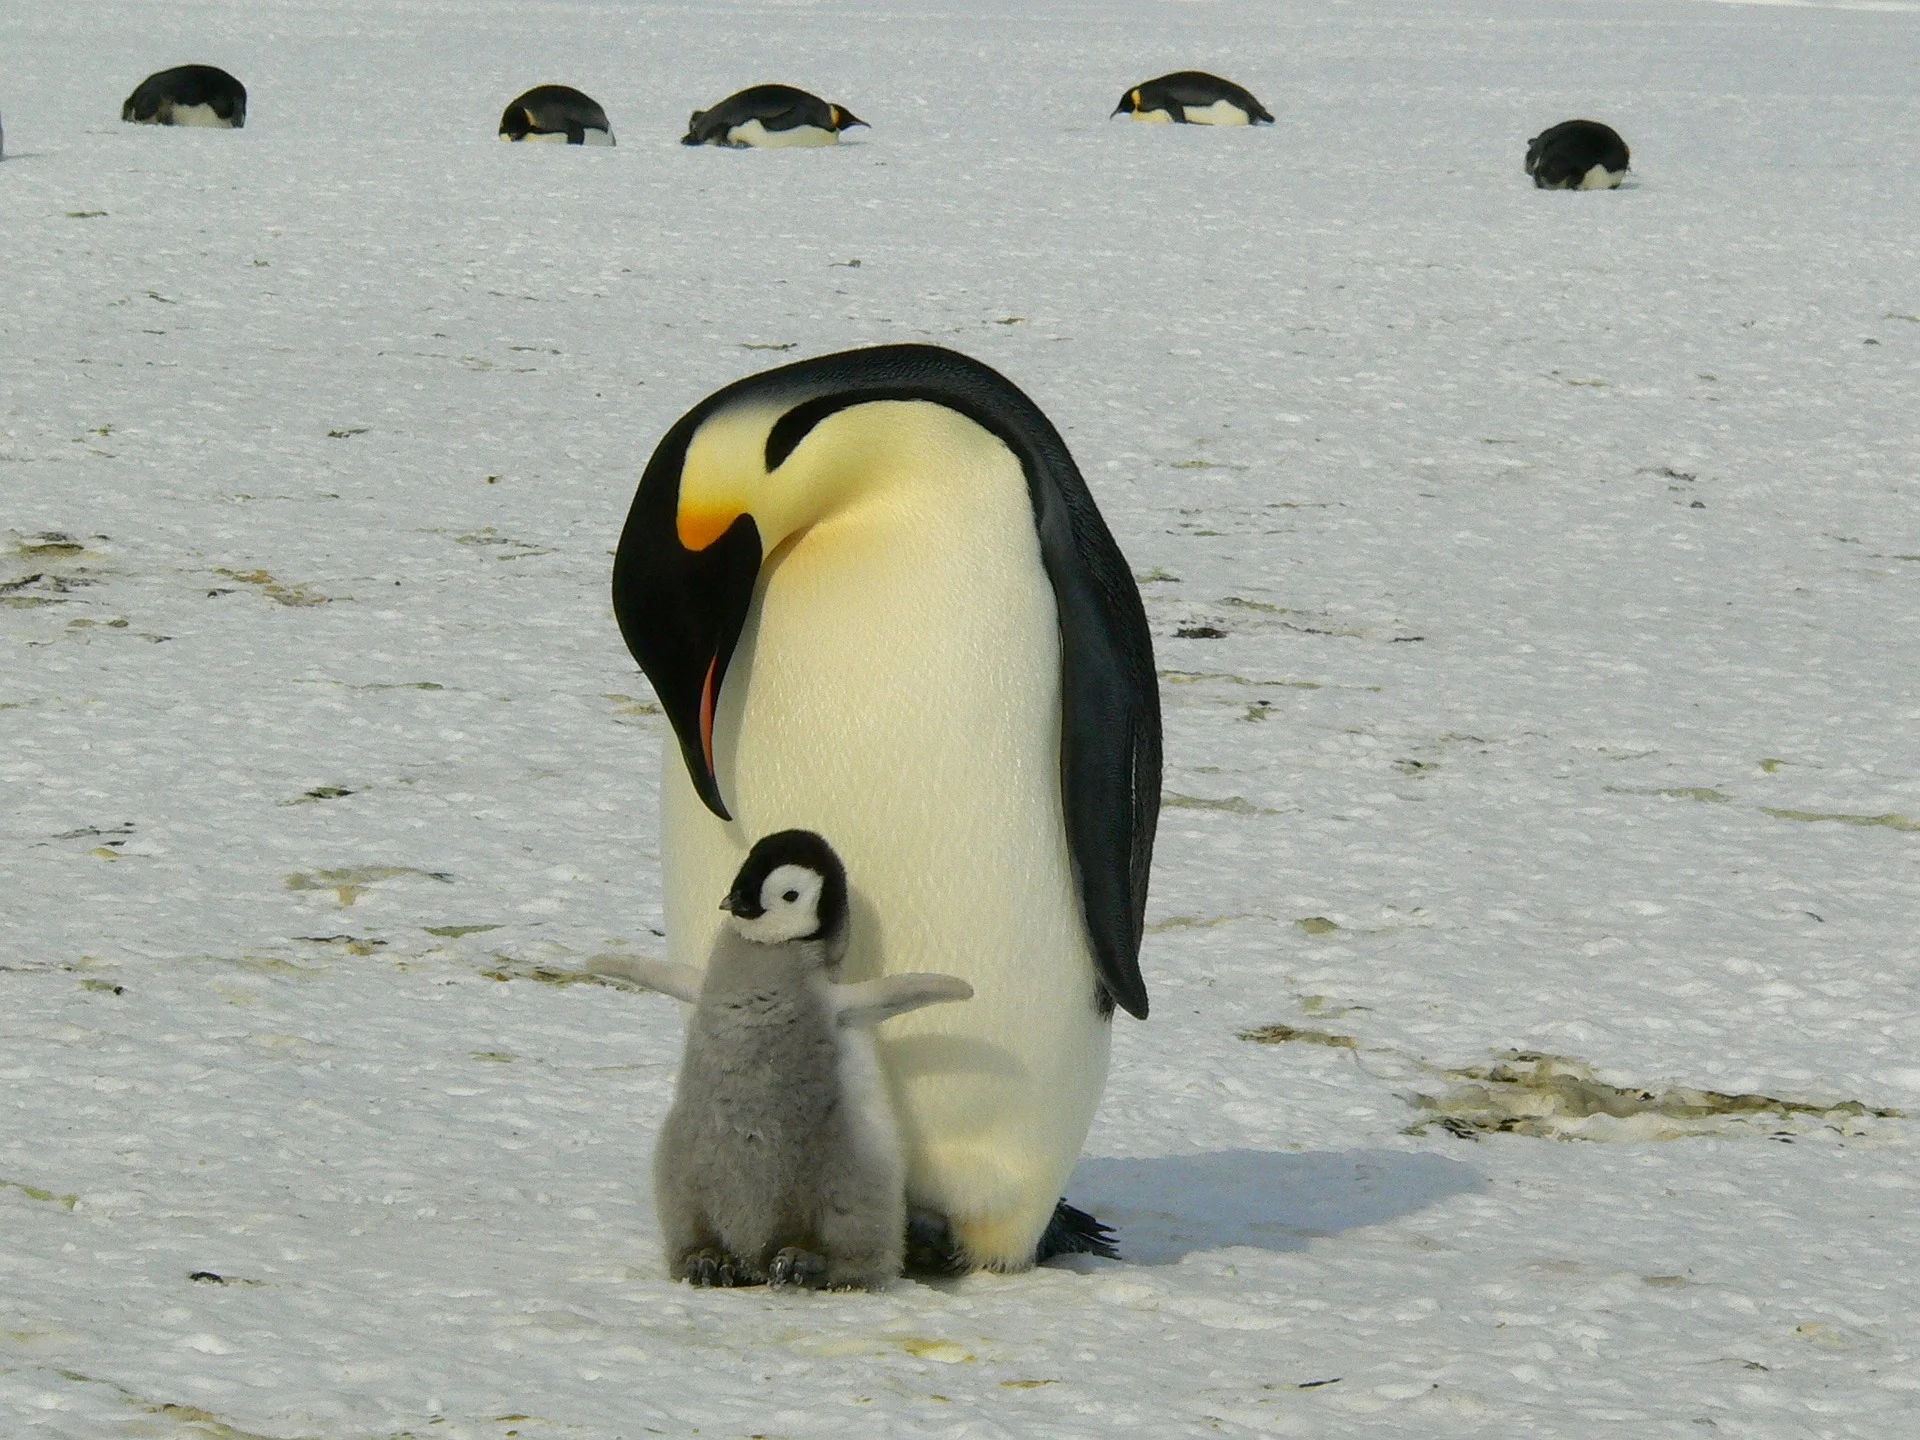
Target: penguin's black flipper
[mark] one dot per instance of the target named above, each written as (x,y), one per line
(1072,1231)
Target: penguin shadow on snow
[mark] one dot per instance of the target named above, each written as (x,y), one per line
(1167,1207)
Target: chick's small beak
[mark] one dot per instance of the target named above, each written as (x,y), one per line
(746,906)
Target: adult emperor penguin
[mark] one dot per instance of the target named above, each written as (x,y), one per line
(1577,155)
(876,600)
(557,113)
(203,95)
(770,117)
(1192,97)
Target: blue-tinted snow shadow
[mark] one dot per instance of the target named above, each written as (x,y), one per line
(1170,1206)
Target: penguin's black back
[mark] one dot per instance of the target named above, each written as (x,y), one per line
(1560,156)
(776,107)
(1173,93)
(183,85)
(554,110)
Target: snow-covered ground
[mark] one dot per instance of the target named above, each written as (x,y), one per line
(1565,551)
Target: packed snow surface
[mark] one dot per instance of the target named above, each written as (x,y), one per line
(1536,1005)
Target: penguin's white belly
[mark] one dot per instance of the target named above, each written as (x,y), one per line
(1153,117)
(1221,112)
(1601,178)
(559,137)
(897,690)
(201,116)
(755,134)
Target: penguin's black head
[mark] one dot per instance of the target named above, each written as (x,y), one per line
(792,887)
(1129,103)
(845,119)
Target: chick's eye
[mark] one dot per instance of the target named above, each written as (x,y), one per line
(791,896)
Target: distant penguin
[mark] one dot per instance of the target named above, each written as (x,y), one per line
(1192,97)
(202,95)
(770,117)
(557,113)
(780,1162)
(1577,155)
(875,596)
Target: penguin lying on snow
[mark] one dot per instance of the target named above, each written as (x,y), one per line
(874,595)
(1192,97)
(770,116)
(188,95)
(779,1162)
(556,113)
(1577,155)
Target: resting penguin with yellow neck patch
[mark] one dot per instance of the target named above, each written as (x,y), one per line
(770,117)
(876,599)
(1192,97)
(202,95)
(558,114)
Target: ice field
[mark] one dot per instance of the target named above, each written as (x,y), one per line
(1535,584)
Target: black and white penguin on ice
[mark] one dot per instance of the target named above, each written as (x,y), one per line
(202,95)
(1577,155)
(1192,97)
(556,113)
(770,117)
(876,599)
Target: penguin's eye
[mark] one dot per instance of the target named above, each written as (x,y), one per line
(791,896)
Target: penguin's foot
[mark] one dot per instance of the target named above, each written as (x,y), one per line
(718,1269)
(932,1252)
(1072,1231)
(794,1266)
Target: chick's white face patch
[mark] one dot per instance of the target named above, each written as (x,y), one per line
(790,906)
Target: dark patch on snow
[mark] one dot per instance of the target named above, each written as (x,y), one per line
(1552,1097)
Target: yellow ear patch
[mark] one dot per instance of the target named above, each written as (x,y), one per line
(700,525)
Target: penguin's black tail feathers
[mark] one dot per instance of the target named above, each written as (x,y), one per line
(1072,1231)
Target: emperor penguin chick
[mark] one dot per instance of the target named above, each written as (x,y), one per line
(780,1161)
